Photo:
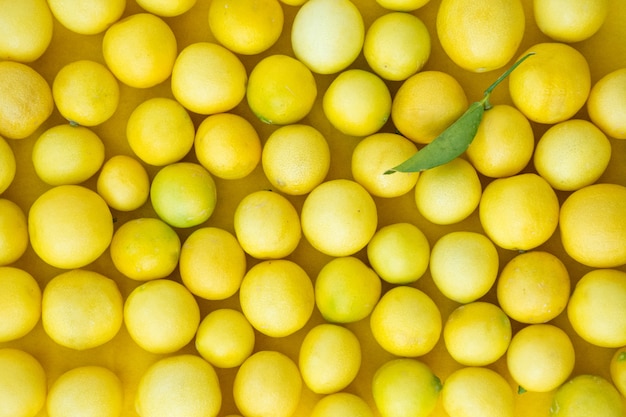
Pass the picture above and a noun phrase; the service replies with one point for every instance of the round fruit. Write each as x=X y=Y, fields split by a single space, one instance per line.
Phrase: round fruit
x=123 y=183
x=25 y=30
x=167 y=8
x=586 y=395
x=570 y=21
x=341 y=404
x=13 y=232
x=20 y=303
x=618 y=369
x=607 y=103
x=8 y=165
x=225 y=338
x=23 y=385
x=87 y=18
x=477 y=391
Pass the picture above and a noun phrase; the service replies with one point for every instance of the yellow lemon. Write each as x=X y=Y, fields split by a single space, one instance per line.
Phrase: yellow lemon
x=26 y=100
x=533 y=287
x=66 y=154
x=8 y=165
x=140 y=50
x=477 y=391
x=123 y=183
x=208 y=78
x=160 y=131
x=69 y=226
x=399 y=253
x=23 y=385
x=329 y=358
x=341 y=404
x=87 y=18
x=277 y=297
x=397 y=45
x=426 y=103
x=268 y=384
x=540 y=357
x=225 y=338
x=464 y=265
x=84 y=392
x=339 y=217
x=406 y=322
x=570 y=21
x=448 y=193
x=346 y=290
x=503 y=144
x=480 y=36
x=295 y=158
x=607 y=103
x=587 y=395
x=597 y=307
x=81 y=309
x=179 y=386
x=212 y=263
x=281 y=90
x=246 y=27
x=552 y=85
x=13 y=232
x=519 y=212
x=167 y=8
x=357 y=102
x=20 y=303
x=161 y=316
x=403 y=387
x=25 y=30
x=335 y=47
x=593 y=227
x=402 y=5
x=618 y=369
x=228 y=146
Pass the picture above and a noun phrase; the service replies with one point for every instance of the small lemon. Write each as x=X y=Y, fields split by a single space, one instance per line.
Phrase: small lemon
x=8 y=165
x=618 y=369
x=13 y=232
x=587 y=395
x=402 y=5
x=20 y=303
x=225 y=338
x=477 y=391
x=607 y=103
x=87 y=18
x=570 y=21
x=25 y=30
x=341 y=404
x=167 y=8
x=23 y=385
x=123 y=183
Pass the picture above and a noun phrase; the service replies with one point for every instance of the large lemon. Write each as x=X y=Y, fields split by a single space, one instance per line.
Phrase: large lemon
x=23 y=384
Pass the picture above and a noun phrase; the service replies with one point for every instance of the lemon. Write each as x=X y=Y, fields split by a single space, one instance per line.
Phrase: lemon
x=179 y=386
x=281 y=90
x=597 y=307
x=540 y=357
x=586 y=395
x=329 y=358
x=183 y=194
x=592 y=225
x=161 y=316
x=25 y=30
x=464 y=265
x=277 y=297
x=346 y=290
x=327 y=35
x=20 y=303
x=13 y=232
x=533 y=287
x=227 y=145
x=606 y=103
x=81 y=309
x=212 y=263
x=519 y=212
x=402 y=5
x=225 y=338
x=246 y=27
x=399 y=253
x=66 y=154
x=339 y=217
x=374 y=155
x=23 y=385
x=296 y=158
x=208 y=78
x=87 y=18
x=552 y=85
x=618 y=369
x=405 y=387
x=167 y=8
x=426 y=103
x=357 y=102
x=480 y=36
x=145 y=248
x=406 y=322
x=448 y=193
x=86 y=391
x=570 y=21
x=123 y=183
x=26 y=100
x=504 y=142
x=267 y=225
x=341 y=404
x=8 y=165
x=397 y=45
x=477 y=391
x=69 y=226
x=268 y=384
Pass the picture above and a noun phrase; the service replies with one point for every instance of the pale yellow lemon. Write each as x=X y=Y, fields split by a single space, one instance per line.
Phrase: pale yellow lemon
x=123 y=183
x=14 y=237
x=225 y=338
x=25 y=30
x=8 y=165
x=570 y=21
x=23 y=385
x=341 y=404
x=617 y=369
x=87 y=18
x=20 y=303
x=587 y=395
x=607 y=103
x=477 y=391
x=402 y=5
x=81 y=309
x=167 y=8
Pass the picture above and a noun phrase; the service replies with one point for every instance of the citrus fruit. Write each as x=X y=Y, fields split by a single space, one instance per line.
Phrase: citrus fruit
x=570 y=21
x=246 y=27
x=13 y=232
x=586 y=395
x=477 y=391
x=161 y=316
x=552 y=85
x=225 y=338
x=592 y=225
x=69 y=226
x=123 y=183
x=8 y=165
x=26 y=100
x=341 y=404
x=618 y=369
x=20 y=303
x=167 y=8
x=277 y=297
x=402 y=5
x=339 y=217
x=23 y=385
x=212 y=263
x=81 y=309
x=606 y=103
x=25 y=30
x=464 y=265
x=281 y=90
x=66 y=154
x=87 y=18
x=332 y=49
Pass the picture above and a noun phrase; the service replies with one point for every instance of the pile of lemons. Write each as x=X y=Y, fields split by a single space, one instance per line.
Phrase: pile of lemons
x=236 y=246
